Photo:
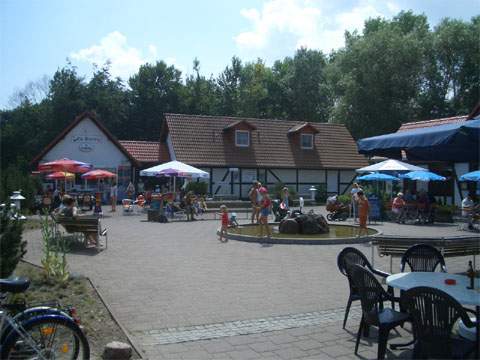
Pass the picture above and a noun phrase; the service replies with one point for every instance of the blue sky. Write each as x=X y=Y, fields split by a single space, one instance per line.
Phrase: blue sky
x=37 y=36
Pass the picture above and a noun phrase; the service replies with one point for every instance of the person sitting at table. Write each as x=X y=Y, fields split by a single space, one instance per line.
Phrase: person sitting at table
x=468 y=210
x=67 y=207
x=398 y=208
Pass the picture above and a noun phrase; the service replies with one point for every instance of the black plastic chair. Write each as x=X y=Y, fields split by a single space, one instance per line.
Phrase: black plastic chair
x=372 y=296
x=433 y=314
x=348 y=257
x=423 y=257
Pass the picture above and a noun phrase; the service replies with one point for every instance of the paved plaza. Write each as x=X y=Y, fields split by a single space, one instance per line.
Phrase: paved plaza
x=182 y=294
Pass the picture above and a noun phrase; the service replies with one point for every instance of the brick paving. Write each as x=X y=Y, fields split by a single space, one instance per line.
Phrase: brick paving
x=164 y=280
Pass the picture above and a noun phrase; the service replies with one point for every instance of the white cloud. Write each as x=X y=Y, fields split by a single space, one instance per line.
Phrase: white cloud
x=124 y=59
x=312 y=24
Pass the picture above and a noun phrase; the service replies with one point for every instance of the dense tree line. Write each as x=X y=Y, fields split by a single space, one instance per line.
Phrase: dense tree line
x=394 y=71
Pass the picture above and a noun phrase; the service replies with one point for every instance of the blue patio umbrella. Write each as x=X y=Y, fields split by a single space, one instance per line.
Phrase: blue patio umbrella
x=471 y=176
x=377 y=177
x=424 y=176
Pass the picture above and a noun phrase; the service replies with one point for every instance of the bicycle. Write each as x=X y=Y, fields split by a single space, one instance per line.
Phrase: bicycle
x=40 y=332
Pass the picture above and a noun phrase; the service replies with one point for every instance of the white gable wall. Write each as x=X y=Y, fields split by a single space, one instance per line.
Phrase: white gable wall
x=87 y=143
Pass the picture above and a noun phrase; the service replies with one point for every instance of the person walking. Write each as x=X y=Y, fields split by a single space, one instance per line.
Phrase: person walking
x=363 y=210
x=265 y=210
x=113 y=196
x=224 y=223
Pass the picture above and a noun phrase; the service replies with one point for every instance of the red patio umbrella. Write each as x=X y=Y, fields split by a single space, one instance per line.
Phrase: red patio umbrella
x=98 y=174
x=64 y=164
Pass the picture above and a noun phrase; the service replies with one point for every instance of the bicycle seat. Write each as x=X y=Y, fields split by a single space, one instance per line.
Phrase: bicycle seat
x=14 y=285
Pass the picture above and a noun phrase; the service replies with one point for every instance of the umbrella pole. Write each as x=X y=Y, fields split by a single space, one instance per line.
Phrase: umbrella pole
x=174 y=184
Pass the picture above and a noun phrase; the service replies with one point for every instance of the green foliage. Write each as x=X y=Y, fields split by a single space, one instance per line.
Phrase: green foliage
x=321 y=194
x=12 y=247
x=277 y=193
x=55 y=249
x=17 y=178
x=345 y=199
x=392 y=72
x=198 y=188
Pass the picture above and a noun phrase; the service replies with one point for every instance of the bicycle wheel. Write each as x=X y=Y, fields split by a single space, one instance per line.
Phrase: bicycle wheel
x=55 y=337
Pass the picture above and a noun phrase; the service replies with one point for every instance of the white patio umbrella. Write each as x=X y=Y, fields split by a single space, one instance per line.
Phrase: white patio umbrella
x=175 y=168
x=390 y=165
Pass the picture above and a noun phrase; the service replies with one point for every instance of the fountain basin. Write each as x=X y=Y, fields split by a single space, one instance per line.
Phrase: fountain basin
x=338 y=234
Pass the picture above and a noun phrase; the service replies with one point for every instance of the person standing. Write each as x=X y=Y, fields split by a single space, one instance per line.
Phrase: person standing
x=363 y=210
x=353 y=193
x=113 y=195
x=189 y=199
x=253 y=195
x=224 y=227
x=285 y=197
x=398 y=208
x=266 y=208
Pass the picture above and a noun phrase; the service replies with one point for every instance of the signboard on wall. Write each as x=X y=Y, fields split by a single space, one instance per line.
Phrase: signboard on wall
x=86 y=143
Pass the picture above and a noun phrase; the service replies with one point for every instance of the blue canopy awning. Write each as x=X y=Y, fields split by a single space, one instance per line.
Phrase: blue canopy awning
x=450 y=142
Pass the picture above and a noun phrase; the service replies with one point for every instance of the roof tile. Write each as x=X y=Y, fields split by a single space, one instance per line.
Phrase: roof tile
x=199 y=140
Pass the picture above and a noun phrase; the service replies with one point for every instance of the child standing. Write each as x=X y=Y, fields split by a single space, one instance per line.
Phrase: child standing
x=363 y=209
x=265 y=210
x=224 y=217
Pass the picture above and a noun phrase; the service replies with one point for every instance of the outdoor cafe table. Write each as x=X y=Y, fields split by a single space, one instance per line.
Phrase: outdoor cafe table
x=459 y=291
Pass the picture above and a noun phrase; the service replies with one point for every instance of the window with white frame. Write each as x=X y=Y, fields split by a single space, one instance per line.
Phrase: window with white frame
x=242 y=138
x=306 y=141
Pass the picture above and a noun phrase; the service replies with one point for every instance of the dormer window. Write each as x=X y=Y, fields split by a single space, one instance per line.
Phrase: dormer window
x=242 y=138
x=306 y=141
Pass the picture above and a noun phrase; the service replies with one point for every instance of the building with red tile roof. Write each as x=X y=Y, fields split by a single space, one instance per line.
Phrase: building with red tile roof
x=237 y=151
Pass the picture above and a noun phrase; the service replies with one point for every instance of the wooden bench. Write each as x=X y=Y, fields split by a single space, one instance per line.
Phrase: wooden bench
x=86 y=225
x=451 y=247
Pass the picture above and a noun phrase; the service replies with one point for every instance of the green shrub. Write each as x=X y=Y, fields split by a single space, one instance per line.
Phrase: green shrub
x=11 y=244
x=198 y=188
x=54 y=259
x=345 y=199
x=277 y=192
x=321 y=194
x=15 y=178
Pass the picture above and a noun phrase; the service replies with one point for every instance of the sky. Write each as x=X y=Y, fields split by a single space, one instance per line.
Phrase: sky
x=37 y=37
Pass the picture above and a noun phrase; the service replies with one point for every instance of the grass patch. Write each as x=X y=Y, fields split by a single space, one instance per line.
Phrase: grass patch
x=98 y=325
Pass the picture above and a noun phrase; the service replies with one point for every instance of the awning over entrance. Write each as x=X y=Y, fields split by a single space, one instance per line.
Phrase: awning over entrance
x=451 y=142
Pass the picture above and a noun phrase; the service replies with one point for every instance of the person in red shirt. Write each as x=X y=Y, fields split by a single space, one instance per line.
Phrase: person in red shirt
x=265 y=210
x=224 y=219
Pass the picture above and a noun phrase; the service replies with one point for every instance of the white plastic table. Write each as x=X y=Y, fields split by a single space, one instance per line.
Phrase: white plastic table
x=459 y=291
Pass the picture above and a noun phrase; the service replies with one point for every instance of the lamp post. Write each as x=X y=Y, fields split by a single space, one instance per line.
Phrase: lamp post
x=17 y=197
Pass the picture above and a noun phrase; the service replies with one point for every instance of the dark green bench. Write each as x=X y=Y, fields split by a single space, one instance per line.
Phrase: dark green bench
x=87 y=225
